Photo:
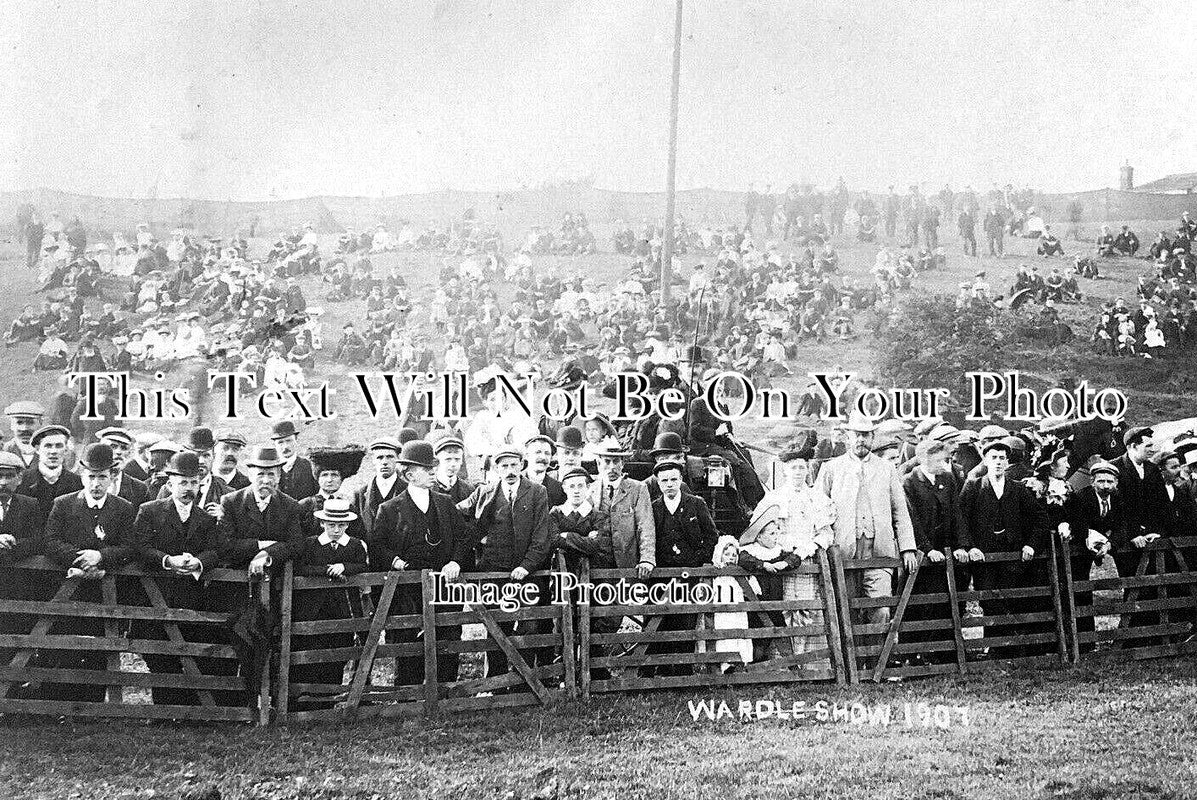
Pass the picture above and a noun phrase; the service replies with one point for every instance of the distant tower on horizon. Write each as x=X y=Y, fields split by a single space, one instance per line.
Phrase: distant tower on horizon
x=1126 y=177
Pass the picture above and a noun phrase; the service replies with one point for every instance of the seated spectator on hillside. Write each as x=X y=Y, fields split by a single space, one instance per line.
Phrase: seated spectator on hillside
x=1126 y=242
x=1049 y=243
x=1161 y=248
x=52 y=355
x=25 y=328
x=1105 y=243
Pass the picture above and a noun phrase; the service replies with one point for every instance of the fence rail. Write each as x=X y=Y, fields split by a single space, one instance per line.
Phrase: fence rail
x=142 y=645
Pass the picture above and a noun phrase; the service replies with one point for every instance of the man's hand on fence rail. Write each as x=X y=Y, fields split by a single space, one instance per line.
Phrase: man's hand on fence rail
x=643 y=570
x=336 y=571
x=975 y=554
x=1144 y=540
x=519 y=573
x=1028 y=552
x=7 y=541
x=451 y=572
x=259 y=564
x=935 y=556
x=910 y=560
x=961 y=555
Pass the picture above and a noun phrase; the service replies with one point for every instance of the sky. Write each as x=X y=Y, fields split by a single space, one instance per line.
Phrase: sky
x=258 y=99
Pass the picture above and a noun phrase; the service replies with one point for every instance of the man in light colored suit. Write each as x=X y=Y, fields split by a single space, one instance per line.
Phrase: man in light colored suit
x=630 y=511
x=872 y=517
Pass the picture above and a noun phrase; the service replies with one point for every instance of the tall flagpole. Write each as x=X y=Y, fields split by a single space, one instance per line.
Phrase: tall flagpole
x=671 y=174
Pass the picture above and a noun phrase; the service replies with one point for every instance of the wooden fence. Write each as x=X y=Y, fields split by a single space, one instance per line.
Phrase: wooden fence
x=83 y=647
x=400 y=643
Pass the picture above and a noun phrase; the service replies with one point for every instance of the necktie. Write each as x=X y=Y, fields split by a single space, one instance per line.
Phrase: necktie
x=3 y=510
x=1104 y=507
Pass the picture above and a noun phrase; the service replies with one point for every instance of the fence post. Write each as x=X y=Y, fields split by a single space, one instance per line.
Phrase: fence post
x=1054 y=573
x=284 y=650
x=845 y=607
x=831 y=616
x=891 y=636
x=1074 y=646
x=584 y=631
x=264 y=681
x=567 y=634
x=431 y=676
x=112 y=693
x=957 y=621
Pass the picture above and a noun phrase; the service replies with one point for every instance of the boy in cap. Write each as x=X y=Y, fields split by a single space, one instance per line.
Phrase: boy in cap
x=48 y=479
x=450 y=458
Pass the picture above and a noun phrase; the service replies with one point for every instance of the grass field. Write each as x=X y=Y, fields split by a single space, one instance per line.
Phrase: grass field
x=1123 y=731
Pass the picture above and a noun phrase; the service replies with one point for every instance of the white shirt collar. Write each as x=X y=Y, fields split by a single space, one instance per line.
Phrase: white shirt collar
x=672 y=505
x=263 y=502
x=184 y=511
x=419 y=495
x=51 y=476
x=95 y=504
x=115 y=488
x=325 y=539
x=289 y=464
x=385 y=484
x=581 y=510
x=537 y=478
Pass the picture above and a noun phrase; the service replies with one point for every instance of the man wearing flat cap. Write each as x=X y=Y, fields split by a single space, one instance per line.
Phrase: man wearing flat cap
x=24 y=417
x=386 y=484
x=48 y=479
x=174 y=539
x=296 y=472
x=87 y=532
x=226 y=457
x=511 y=523
x=121 y=442
x=450 y=458
x=1095 y=523
x=21 y=536
x=420 y=529
x=1002 y=515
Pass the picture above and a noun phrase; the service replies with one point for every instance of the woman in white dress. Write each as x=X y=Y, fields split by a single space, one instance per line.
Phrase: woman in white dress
x=806 y=516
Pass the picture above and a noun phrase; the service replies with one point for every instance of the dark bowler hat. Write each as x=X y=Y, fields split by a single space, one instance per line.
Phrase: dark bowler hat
x=200 y=440
x=96 y=458
x=185 y=464
x=263 y=458
x=48 y=430
x=281 y=430
x=570 y=438
x=418 y=453
x=668 y=443
x=407 y=435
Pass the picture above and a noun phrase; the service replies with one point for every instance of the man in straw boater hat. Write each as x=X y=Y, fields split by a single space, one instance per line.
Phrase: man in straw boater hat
x=121 y=442
x=332 y=554
x=174 y=539
x=872 y=517
x=511 y=521
x=49 y=479
x=295 y=476
x=332 y=466
x=88 y=532
x=383 y=486
x=420 y=529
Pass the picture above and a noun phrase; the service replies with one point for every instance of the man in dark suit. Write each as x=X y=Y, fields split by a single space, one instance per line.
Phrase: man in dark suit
x=385 y=485
x=420 y=529
x=669 y=447
x=1002 y=515
x=511 y=521
x=1142 y=489
x=226 y=455
x=932 y=493
x=450 y=456
x=121 y=442
x=538 y=457
x=259 y=524
x=21 y=524
x=295 y=476
x=200 y=442
x=174 y=540
x=48 y=479
x=1096 y=524
x=685 y=537
x=87 y=532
